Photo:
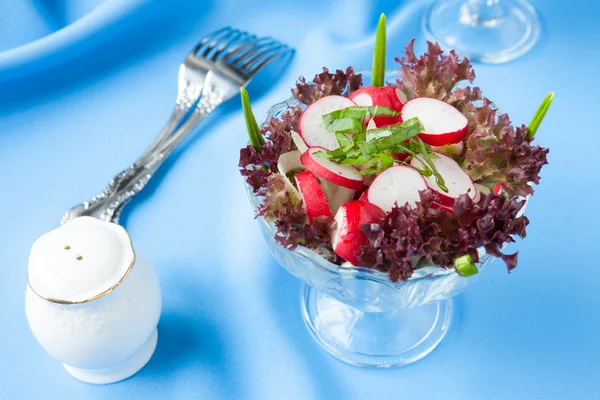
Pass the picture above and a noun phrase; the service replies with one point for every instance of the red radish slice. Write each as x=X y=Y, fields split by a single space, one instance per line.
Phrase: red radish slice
x=387 y=96
x=402 y=98
x=364 y=196
x=400 y=184
x=443 y=123
x=387 y=121
x=336 y=195
x=347 y=239
x=371 y=96
x=394 y=94
x=312 y=195
x=455 y=178
x=372 y=124
x=379 y=96
x=400 y=156
x=311 y=119
x=288 y=162
x=342 y=175
x=382 y=122
x=452 y=150
x=297 y=139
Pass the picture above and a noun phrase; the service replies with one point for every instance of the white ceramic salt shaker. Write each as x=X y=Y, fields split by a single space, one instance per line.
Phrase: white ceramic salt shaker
x=91 y=301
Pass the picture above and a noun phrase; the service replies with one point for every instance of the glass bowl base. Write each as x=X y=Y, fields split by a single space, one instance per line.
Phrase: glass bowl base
x=375 y=339
x=495 y=31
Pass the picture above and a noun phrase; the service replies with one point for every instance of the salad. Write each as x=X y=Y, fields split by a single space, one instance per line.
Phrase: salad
x=420 y=171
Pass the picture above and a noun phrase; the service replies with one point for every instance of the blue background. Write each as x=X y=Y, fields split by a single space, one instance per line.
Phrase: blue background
x=231 y=327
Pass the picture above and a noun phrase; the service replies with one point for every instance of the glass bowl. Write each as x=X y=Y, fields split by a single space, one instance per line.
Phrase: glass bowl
x=358 y=314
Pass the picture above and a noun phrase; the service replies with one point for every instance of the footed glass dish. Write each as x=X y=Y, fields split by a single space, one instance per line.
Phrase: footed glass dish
x=358 y=314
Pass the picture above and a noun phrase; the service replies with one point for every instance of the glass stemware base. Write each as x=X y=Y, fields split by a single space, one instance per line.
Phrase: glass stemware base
x=492 y=31
x=375 y=339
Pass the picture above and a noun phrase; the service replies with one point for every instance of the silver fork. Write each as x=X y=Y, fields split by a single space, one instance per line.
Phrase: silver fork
x=212 y=73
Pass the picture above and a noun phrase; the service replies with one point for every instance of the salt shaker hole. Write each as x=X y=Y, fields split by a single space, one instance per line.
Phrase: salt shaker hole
x=79 y=258
x=67 y=247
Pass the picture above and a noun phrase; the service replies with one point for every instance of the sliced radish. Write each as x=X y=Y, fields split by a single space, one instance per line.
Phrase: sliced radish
x=364 y=196
x=443 y=123
x=400 y=156
x=371 y=96
x=312 y=195
x=297 y=139
x=387 y=121
x=382 y=122
x=311 y=119
x=342 y=175
x=289 y=162
x=455 y=178
x=347 y=238
x=396 y=185
x=336 y=195
x=372 y=124
x=452 y=150
x=396 y=97
x=385 y=96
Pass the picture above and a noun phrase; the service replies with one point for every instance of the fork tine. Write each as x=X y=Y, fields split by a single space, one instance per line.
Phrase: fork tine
x=210 y=36
x=208 y=50
x=221 y=43
x=288 y=52
x=234 y=44
x=260 y=54
x=247 y=49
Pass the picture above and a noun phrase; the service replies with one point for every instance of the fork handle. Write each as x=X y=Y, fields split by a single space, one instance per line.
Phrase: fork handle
x=109 y=203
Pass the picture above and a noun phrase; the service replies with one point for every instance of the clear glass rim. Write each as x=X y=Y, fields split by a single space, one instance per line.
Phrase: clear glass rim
x=427 y=272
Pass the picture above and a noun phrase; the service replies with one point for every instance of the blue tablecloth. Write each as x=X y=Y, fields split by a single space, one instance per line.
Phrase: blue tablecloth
x=231 y=326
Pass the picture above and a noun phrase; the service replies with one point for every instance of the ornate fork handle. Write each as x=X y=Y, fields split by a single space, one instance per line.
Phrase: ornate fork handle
x=213 y=71
x=108 y=204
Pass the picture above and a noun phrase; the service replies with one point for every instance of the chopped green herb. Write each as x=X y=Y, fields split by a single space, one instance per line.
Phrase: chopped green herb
x=427 y=157
x=345 y=125
x=396 y=134
x=360 y=112
x=343 y=140
x=359 y=146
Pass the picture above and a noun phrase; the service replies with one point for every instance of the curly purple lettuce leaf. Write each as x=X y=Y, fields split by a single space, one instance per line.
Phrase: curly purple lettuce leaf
x=288 y=215
x=325 y=84
x=433 y=74
x=406 y=235
x=258 y=167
